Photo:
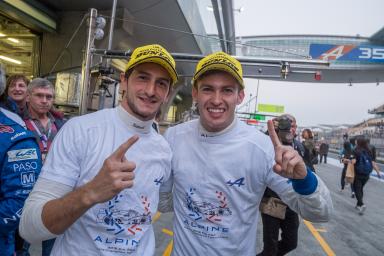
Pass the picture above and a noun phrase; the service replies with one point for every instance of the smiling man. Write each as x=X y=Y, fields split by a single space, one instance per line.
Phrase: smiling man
x=221 y=167
x=98 y=191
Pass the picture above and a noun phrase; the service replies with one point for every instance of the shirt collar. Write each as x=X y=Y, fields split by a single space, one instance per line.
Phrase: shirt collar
x=134 y=123
x=29 y=116
x=204 y=133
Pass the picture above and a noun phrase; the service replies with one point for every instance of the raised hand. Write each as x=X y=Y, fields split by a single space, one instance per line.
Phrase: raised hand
x=115 y=175
x=289 y=163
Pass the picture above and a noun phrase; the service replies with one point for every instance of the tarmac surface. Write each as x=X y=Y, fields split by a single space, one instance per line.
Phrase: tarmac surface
x=346 y=234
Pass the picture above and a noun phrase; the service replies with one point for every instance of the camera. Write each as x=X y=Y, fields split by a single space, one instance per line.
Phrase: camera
x=283 y=127
x=284 y=124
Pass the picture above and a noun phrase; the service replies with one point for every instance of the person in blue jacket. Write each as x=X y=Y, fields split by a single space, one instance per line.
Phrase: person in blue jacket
x=20 y=165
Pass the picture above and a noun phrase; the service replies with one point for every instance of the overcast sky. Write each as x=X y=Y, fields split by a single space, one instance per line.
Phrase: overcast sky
x=314 y=103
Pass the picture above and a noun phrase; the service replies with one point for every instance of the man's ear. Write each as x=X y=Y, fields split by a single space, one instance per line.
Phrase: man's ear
x=28 y=98
x=194 y=92
x=123 y=81
x=240 y=96
x=169 y=94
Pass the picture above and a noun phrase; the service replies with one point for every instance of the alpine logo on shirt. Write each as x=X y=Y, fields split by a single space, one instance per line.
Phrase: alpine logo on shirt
x=159 y=181
x=207 y=219
x=238 y=182
x=124 y=226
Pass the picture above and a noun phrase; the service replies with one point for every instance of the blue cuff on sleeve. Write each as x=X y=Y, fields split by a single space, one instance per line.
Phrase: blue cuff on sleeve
x=307 y=185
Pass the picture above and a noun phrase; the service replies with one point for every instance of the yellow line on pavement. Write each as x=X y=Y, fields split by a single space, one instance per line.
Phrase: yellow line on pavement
x=167 y=231
x=168 y=250
x=156 y=217
x=318 y=237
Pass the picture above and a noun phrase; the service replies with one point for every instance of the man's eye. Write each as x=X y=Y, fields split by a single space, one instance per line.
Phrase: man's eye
x=205 y=89
x=164 y=84
x=228 y=90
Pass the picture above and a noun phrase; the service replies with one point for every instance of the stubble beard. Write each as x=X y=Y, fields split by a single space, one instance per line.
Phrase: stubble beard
x=138 y=113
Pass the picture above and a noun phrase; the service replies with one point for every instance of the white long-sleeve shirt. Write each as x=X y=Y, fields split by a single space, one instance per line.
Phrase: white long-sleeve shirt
x=122 y=225
x=218 y=181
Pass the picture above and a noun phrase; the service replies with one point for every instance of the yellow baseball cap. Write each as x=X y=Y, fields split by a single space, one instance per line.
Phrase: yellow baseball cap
x=220 y=61
x=154 y=53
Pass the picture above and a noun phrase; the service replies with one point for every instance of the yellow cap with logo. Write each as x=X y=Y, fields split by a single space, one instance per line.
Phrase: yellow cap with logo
x=154 y=53
x=220 y=61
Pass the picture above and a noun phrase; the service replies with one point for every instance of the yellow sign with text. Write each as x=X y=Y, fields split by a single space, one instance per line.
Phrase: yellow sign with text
x=270 y=108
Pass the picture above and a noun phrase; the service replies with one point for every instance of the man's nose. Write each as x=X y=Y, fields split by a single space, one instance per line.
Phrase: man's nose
x=216 y=98
x=150 y=88
x=44 y=99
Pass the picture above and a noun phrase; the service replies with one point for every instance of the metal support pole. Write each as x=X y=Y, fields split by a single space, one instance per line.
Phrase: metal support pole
x=103 y=86
x=111 y=28
x=257 y=94
x=194 y=58
x=229 y=25
x=102 y=93
x=87 y=60
x=116 y=95
x=216 y=11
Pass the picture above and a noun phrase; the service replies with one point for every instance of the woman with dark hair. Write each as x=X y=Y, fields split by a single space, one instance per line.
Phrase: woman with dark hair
x=347 y=156
x=310 y=156
x=363 y=168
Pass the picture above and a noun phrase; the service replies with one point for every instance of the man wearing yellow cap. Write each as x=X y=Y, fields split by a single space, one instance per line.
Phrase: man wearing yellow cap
x=221 y=167
x=99 y=187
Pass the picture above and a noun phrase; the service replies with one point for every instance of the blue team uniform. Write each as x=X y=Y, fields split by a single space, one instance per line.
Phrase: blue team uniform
x=20 y=165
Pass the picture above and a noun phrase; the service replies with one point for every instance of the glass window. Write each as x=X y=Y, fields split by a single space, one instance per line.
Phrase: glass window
x=19 y=48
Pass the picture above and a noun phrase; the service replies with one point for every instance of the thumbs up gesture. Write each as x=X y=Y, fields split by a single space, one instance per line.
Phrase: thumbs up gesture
x=115 y=175
x=289 y=163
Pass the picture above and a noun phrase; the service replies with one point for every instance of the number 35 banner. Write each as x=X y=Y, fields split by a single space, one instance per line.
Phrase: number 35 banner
x=361 y=53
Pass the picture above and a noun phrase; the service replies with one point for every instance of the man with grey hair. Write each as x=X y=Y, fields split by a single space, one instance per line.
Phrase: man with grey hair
x=42 y=120
x=20 y=164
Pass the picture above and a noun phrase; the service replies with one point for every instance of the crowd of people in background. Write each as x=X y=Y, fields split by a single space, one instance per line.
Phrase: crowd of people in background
x=360 y=156
x=356 y=153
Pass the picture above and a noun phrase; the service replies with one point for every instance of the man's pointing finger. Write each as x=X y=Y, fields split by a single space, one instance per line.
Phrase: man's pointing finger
x=119 y=154
x=272 y=134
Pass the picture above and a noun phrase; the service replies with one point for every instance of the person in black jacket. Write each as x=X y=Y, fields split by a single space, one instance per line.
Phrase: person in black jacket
x=363 y=169
x=286 y=129
x=323 y=151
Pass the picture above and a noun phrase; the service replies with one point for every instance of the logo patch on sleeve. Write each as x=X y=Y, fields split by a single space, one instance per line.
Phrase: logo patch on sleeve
x=27 y=178
x=22 y=154
x=6 y=129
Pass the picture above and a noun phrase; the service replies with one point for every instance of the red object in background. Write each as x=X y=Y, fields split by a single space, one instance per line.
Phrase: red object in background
x=252 y=121
x=318 y=76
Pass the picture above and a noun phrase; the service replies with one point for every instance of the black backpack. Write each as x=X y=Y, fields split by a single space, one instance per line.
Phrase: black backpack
x=363 y=163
